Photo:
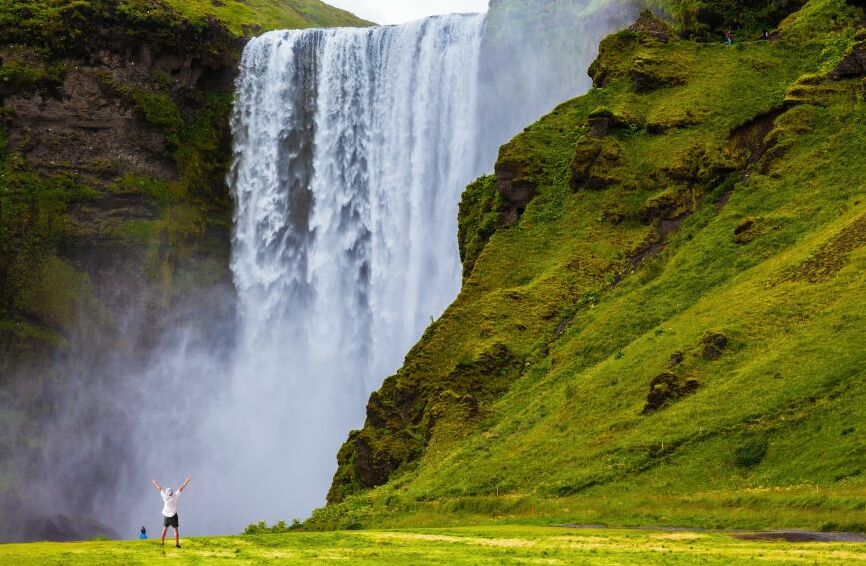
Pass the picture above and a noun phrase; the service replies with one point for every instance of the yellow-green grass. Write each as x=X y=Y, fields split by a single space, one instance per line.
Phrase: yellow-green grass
x=773 y=437
x=244 y=17
x=475 y=545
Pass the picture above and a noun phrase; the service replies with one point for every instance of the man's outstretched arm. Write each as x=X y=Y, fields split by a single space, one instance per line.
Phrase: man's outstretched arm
x=185 y=483
x=156 y=485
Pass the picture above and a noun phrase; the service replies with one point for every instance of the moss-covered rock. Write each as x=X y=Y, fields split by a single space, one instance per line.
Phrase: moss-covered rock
x=667 y=388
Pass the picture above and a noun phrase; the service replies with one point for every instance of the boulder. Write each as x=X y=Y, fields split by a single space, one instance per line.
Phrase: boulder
x=646 y=76
x=853 y=64
x=602 y=120
x=664 y=206
x=714 y=343
x=514 y=181
x=649 y=26
x=595 y=163
x=666 y=388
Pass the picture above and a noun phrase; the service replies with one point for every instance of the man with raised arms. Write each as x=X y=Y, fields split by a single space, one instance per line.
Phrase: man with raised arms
x=169 y=510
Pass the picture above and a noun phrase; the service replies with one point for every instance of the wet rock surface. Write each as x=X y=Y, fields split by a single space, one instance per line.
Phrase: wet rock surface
x=85 y=131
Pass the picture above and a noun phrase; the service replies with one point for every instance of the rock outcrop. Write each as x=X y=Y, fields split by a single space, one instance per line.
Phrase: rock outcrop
x=853 y=64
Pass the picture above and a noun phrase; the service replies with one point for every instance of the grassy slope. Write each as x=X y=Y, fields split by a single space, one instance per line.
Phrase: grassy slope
x=244 y=16
x=241 y=17
x=774 y=434
x=489 y=545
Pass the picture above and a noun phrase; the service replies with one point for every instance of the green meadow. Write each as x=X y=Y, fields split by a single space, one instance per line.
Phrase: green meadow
x=469 y=545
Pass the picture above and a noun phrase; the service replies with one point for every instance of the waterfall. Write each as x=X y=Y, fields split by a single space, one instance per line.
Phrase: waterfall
x=352 y=147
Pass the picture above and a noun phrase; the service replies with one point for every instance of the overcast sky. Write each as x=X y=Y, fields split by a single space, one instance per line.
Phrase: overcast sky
x=399 y=11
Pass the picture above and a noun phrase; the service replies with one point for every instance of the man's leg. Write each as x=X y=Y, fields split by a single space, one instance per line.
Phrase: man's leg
x=164 y=531
x=177 y=537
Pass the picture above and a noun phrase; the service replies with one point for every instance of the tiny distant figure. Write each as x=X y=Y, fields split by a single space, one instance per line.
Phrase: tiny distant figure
x=169 y=510
x=729 y=38
x=143 y=534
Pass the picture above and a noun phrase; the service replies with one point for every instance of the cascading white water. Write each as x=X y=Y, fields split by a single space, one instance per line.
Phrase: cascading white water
x=352 y=149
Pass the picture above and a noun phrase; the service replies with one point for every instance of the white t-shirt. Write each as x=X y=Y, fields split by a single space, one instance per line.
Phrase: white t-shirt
x=170 y=507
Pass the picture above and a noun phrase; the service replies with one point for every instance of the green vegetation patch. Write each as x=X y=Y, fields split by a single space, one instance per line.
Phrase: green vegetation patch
x=251 y=17
x=468 y=545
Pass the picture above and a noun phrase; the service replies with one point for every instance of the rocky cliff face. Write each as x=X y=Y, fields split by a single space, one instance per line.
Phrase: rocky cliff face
x=114 y=216
x=115 y=145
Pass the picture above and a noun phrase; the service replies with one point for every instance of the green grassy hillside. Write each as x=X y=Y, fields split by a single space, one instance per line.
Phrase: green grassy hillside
x=662 y=316
x=245 y=16
x=484 y=545
x=24 y=20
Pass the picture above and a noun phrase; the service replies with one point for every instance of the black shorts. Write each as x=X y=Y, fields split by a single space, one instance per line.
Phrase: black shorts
x=170 y=521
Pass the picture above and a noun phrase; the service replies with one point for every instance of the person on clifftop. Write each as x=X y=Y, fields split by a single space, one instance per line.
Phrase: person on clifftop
x=169 y=510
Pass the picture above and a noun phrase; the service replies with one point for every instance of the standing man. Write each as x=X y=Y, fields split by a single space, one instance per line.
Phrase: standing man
x=169 y=510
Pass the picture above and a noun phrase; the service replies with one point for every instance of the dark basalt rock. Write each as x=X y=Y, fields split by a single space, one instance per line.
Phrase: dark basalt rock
x=666 y=388
x=743 y=232
x=853 y=64
x=587 y=152
x=714 y=343
x=595 y=163
x=662 y=207
x=649 y=26
x=646 y=77
x=515 y=183
x=603 y=120
x=699 y=167
x=400 y=422
x=676 y=359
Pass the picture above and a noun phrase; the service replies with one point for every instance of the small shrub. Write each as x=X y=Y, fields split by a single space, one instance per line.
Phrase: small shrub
x=256 y=528
x=751 y=453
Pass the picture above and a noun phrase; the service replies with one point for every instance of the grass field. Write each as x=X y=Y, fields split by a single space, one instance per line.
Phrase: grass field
x=477 y=545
